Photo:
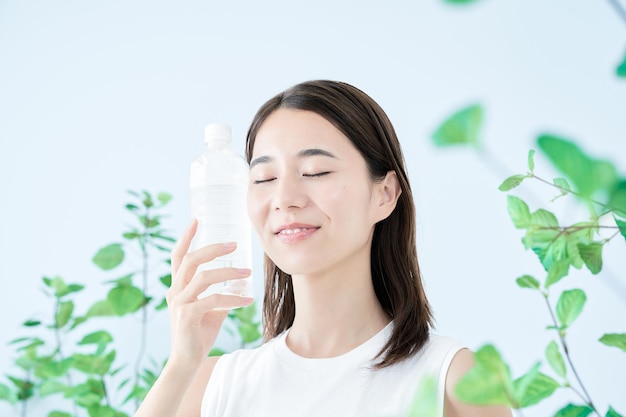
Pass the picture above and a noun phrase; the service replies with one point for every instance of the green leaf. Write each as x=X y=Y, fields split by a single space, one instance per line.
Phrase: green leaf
x=51 y=386
x=147 y=201
x=131 y=235
x=612 y=413
x=109 y=256
x=617 y=199
x=63 y=314
x=24 y=388
x=425 y=403
x=53 y=369
x=617 y=340
x=563 y=184
x=162 y=305
x=527 y=281
x=59 y=286
x=521 y=384
x=539 y=388
x=531 y=160
x=621 y=225
x=164 y=198
x=488 y=382
x=245 y=314
x=518 y=211
x=591 y=254
x=166 y=280
x=620 y=71
x=556 y=251
x=217 y=352
x=125 y=299
x=31 y=323
x=99 y=410
x=249 y=332
x=162 y=237
x=462 y=128
x=573 y=252
x=557 y=271
x=512 y=182
x=101 y=309
x=543 y=218
x=93 y=364
x=100 y=338
x=59 y=414
x=149 y=222
x=131 y=207
x=569 y=306
x=588 y=175
x=7 y=394
x=555 y=359
x=571 y=410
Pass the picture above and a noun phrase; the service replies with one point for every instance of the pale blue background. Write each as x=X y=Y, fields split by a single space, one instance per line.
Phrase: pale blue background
x=100 y=97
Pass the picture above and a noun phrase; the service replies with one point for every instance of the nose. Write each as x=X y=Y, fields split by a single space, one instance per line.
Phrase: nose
x=288 y=194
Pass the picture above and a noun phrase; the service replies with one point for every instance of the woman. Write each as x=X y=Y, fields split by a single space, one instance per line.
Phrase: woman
x=347 y=324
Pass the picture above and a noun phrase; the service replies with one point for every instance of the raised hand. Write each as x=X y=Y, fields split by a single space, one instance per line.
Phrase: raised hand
x=195 y=323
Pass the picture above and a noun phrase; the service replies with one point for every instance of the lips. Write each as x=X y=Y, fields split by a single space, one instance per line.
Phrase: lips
x=290 y=233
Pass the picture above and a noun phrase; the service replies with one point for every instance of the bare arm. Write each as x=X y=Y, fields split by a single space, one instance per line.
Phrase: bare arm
x=463 y=361
x=178 y=391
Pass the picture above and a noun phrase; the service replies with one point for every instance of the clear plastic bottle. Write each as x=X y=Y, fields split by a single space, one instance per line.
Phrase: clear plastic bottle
x=218 y=188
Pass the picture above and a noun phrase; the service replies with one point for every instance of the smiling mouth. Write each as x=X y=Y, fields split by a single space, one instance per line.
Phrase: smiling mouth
x=293 y=234
x=294 y=231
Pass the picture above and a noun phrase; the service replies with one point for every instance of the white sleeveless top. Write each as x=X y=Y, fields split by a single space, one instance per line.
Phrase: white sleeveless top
x=272 y=381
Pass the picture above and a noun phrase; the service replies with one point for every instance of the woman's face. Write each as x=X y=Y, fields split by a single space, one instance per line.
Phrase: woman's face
x=310 y=198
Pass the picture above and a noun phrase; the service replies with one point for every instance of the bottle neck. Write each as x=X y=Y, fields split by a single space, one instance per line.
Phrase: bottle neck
x=215 y=145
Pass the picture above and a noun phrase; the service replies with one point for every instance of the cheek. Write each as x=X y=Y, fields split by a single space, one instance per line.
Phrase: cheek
x=255 y=210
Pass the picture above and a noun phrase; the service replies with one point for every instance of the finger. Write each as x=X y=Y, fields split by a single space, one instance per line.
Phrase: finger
x=192 y=260
x=205 y=279
x=182 y=246
x=222 y=302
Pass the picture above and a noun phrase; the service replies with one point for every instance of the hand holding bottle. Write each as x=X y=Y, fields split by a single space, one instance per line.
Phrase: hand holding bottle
x=195 y=323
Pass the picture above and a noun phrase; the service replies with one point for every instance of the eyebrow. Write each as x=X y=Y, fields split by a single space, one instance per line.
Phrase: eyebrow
x=302 y=154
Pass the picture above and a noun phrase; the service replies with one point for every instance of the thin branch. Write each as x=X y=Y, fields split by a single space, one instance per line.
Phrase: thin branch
x=565 y=190
x=586 y=398
x=59 y=349
x=144 y=307
x=619 y=9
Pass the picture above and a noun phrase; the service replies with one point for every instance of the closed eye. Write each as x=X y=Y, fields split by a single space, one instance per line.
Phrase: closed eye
x=263 y=181
x=319 y=174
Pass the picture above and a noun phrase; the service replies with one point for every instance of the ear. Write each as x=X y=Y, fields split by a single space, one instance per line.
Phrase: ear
x=387 y=193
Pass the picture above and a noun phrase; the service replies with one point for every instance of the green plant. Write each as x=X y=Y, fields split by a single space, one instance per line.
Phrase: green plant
x=70 y=360
x=596 y=184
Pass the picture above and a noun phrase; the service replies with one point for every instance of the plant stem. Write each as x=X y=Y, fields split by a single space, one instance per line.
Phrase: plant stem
x=568 y=191
x=619 y=9
x=144 y=307
x=493 y=163
x=59 y=348
x=586 y=398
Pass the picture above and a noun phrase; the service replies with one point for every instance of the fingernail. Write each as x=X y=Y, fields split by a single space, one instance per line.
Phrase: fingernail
x=229 y=245
x=244 y=272
x=247 y=300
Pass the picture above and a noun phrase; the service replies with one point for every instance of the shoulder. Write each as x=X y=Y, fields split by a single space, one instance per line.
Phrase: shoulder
x=461 y=363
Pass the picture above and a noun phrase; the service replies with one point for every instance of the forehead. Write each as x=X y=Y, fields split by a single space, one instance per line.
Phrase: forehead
x=290 y=131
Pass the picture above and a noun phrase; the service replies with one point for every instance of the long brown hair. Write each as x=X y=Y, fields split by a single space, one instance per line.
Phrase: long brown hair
x=395 y=271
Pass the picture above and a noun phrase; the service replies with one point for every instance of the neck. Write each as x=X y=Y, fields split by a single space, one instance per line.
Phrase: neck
x=335 y=312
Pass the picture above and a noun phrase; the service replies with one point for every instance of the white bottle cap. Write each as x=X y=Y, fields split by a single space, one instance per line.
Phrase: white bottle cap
x=217 y=132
